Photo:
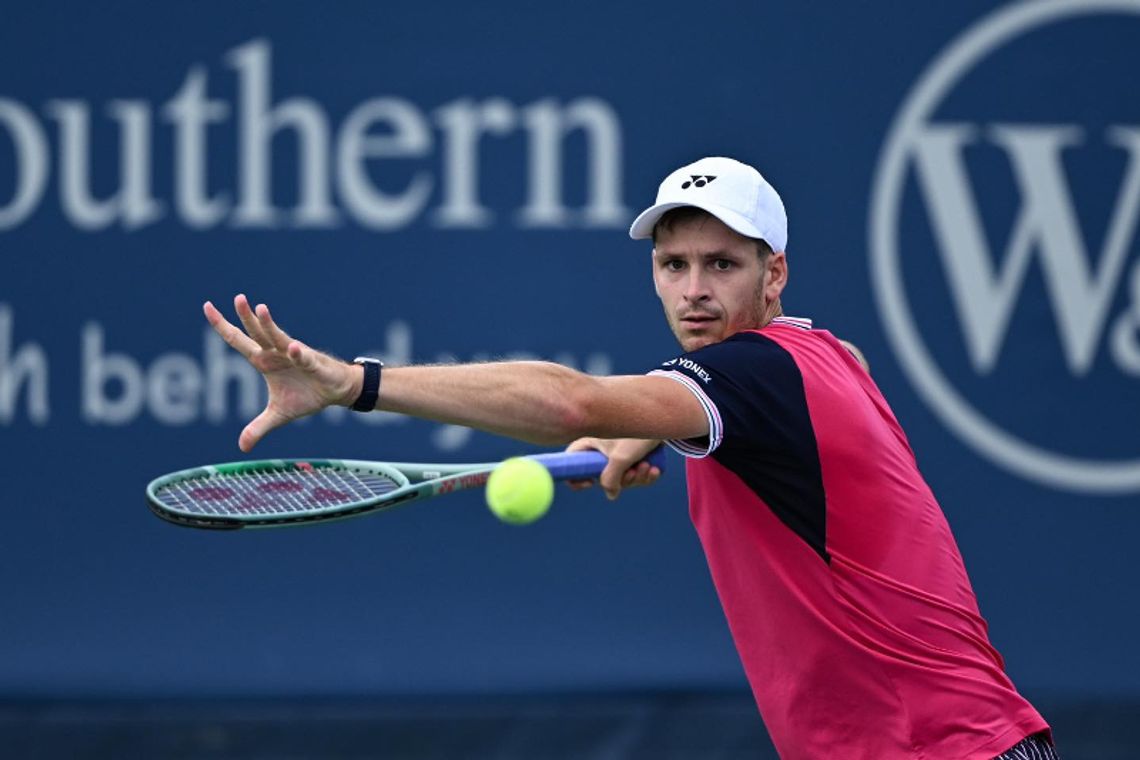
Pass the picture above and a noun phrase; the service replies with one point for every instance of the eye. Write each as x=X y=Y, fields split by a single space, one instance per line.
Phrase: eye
x=673 y=265
x=723 y=265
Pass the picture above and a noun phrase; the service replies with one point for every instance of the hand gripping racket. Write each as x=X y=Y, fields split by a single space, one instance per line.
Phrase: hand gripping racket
x=278 y=492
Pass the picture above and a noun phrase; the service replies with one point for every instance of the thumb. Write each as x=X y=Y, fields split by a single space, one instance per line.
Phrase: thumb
x=585 y=444
x=257 y=428
x=611 y=477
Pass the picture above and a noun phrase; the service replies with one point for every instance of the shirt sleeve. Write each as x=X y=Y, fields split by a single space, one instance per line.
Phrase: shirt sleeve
x=750 y=388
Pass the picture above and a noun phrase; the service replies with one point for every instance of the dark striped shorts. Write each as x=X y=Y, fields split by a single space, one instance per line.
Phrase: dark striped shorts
x=1036 y=747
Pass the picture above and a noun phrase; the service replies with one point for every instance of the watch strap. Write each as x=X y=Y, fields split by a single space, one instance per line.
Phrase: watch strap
x=370 y=390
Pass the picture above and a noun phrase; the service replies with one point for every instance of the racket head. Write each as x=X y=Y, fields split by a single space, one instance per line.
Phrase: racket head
x=274 y=492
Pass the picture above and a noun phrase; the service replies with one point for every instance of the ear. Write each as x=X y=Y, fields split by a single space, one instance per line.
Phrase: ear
x=777 y=275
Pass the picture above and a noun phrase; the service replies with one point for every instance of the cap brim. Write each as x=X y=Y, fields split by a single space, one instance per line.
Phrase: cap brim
x=642 y=227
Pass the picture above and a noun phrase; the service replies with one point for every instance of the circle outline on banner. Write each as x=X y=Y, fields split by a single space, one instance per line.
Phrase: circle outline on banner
x=945 y=71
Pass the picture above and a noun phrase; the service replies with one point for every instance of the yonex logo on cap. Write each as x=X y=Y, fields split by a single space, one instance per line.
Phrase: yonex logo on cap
x=697 y=180
x=747 y=203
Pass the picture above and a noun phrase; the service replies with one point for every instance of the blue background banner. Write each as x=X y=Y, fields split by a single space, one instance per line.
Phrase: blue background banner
x=434 y=182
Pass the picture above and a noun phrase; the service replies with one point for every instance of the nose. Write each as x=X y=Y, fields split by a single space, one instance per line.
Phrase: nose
x=695 y=289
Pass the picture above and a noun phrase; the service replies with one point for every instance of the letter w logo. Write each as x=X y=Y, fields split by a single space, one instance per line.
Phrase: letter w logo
x=985 y=292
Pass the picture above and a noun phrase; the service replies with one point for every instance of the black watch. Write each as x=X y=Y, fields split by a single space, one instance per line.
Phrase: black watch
x=370 y=391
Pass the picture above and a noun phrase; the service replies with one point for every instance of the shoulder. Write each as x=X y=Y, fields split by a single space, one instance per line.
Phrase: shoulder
x=759 y=352
x=741 y=360
x=774 y=339
x=791 y=331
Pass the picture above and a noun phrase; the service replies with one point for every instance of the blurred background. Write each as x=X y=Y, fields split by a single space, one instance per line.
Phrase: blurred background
x=442 y=181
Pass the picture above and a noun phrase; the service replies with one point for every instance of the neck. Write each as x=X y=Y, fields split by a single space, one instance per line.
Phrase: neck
x=772 y=310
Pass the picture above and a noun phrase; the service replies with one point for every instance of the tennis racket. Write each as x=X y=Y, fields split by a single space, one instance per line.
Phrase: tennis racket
x=279 y=492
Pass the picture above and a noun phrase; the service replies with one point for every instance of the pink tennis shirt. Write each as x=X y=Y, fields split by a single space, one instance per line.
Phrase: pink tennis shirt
x=843 y=587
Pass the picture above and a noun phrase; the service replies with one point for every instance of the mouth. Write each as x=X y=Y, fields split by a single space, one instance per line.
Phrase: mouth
x=697 y=320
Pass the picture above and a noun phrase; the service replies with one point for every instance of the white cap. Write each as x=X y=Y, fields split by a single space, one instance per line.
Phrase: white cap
x=733 y=192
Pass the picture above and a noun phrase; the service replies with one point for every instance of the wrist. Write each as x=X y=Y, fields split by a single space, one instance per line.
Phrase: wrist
x=354 y=382
x=365 y=384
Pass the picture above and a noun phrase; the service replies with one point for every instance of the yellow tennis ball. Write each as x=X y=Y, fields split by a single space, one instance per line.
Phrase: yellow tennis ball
x=519 y=491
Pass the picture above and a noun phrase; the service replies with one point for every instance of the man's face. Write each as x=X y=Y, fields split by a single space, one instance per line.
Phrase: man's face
x=711 y=282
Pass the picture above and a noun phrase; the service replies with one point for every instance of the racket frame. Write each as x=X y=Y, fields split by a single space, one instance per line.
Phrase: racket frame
x=414 y=482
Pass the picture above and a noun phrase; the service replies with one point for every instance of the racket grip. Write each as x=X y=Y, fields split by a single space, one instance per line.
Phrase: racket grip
x=572 y=465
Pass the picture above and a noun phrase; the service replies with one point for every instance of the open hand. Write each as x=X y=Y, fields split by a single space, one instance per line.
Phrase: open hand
x=301 y=380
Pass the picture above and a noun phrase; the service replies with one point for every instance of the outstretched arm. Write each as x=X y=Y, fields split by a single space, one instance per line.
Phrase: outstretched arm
x=539 y=402
x=542 y=402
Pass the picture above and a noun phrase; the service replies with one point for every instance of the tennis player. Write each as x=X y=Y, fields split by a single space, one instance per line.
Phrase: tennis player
x=843 y=587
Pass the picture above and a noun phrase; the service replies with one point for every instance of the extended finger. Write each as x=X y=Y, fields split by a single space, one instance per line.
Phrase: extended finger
x=279 y=337
x=234 y=337
x=250 y=321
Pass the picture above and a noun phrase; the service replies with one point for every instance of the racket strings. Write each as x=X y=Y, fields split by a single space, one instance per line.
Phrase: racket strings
x=269 y=492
